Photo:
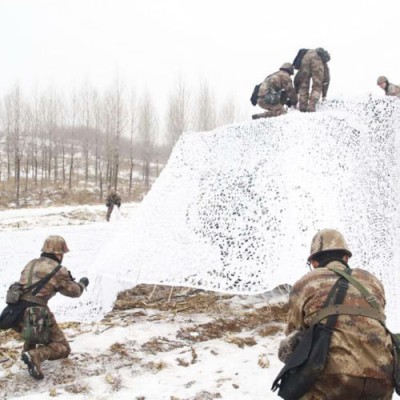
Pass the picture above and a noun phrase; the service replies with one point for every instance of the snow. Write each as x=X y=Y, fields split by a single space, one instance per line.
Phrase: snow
x=235 y=209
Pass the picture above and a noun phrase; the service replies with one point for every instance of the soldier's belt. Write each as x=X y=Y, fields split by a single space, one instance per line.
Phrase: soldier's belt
x=34 y=299
x=341 y=309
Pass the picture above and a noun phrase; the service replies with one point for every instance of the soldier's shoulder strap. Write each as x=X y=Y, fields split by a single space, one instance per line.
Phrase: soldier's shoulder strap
x=38 y=286
x=370 y=298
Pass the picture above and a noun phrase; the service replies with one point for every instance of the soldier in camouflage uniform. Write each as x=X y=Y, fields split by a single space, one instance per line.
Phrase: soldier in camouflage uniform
x=281 y=83
x=389 y=88
x=314 y=67
x=56 y=345
x=360 y=361
x=113 y=199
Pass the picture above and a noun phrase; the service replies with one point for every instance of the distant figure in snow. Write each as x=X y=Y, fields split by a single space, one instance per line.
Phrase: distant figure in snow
x=113 y=199
x=275 y=92
x=349 y=306
x=41 y=279
x=312 y=65
x=389 y=88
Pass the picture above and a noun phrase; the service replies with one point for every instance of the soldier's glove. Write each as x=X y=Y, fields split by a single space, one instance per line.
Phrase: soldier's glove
x=84 y=282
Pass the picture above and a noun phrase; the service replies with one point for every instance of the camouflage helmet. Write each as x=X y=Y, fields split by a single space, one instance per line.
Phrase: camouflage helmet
x=328 y=240
x=55 y=245
x=382 y=79
x=288 y=67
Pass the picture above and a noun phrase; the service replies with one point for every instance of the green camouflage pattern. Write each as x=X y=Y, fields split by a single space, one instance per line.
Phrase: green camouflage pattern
x=36 y=325
x=57 y=346
x=360 y=346
x=312 y=70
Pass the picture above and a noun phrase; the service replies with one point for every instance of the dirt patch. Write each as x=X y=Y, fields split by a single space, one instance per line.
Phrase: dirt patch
x=168 y=298
x=161 y=344
x=241 y=342
x=247 y=321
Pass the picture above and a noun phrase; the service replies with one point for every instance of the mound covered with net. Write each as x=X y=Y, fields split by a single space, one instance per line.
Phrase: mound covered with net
x=235 y=209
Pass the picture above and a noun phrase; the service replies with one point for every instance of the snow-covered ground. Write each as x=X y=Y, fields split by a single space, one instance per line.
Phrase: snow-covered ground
x=171 y=350
x=227 y=352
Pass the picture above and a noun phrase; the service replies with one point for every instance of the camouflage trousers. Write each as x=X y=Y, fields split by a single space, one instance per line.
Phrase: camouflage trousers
x=307 y=100
x=272 y=110
x=57 y=347
x=340 y=387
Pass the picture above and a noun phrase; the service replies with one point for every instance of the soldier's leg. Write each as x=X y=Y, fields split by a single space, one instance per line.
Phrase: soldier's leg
x=272 y=111
x=57 y=348
x=303 y=89
x=317 y=75
x=109 y=211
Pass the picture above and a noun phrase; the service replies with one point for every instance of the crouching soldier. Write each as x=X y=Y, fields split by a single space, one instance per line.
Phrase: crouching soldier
x=390 y=88
x=41 y=279
x=113 y=199
x=276 y=91
x=348 y=306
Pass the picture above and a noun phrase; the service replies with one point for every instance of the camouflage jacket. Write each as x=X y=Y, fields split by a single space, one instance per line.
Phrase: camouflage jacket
x=61 y=282
x=113 y=199
x=392 y=90
x=278 y=81
x=360 y=346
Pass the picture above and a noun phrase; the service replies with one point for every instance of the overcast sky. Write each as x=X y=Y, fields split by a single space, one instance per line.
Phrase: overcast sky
x=234 y=44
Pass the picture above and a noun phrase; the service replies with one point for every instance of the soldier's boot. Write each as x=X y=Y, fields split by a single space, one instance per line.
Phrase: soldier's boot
x=33 y=363
x=312 y=105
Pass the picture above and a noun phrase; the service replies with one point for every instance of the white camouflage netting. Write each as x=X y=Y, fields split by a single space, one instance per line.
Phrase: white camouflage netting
x=235 y=209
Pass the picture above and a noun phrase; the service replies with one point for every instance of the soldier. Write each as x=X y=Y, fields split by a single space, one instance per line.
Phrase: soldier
x=313 y=66
x=360 y=361
x=276 y=91
x=38 y=325
x=113 y=199
x=389 y=88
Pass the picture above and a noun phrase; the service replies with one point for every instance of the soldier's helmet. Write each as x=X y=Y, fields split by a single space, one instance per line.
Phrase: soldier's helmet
x=328 y=240
x=55 y=244
x=382 y=79
x=288 y=67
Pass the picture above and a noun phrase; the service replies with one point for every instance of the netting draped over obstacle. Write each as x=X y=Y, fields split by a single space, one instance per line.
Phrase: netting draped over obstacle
x=235 y=209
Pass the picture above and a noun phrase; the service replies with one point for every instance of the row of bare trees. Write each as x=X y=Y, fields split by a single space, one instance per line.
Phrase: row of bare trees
x=88 y=138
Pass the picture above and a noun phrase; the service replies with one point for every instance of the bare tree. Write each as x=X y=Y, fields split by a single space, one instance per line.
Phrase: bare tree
x=229 y=112
x=13 y=116
x=177 y=112
x=133 y=125
x=205 y=108
x=147 y=133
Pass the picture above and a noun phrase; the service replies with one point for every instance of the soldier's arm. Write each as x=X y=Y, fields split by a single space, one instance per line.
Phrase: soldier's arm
x=66 y=284
x=291 y=92
x=327 y=79
x=295 y=321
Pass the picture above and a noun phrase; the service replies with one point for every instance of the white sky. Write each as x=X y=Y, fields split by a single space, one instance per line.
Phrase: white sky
x=234 y=44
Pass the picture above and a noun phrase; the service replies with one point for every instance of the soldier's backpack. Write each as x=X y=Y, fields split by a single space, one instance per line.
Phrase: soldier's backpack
x=325 y=56
x=254 y=96
x=299 y=57
x=36 y=325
